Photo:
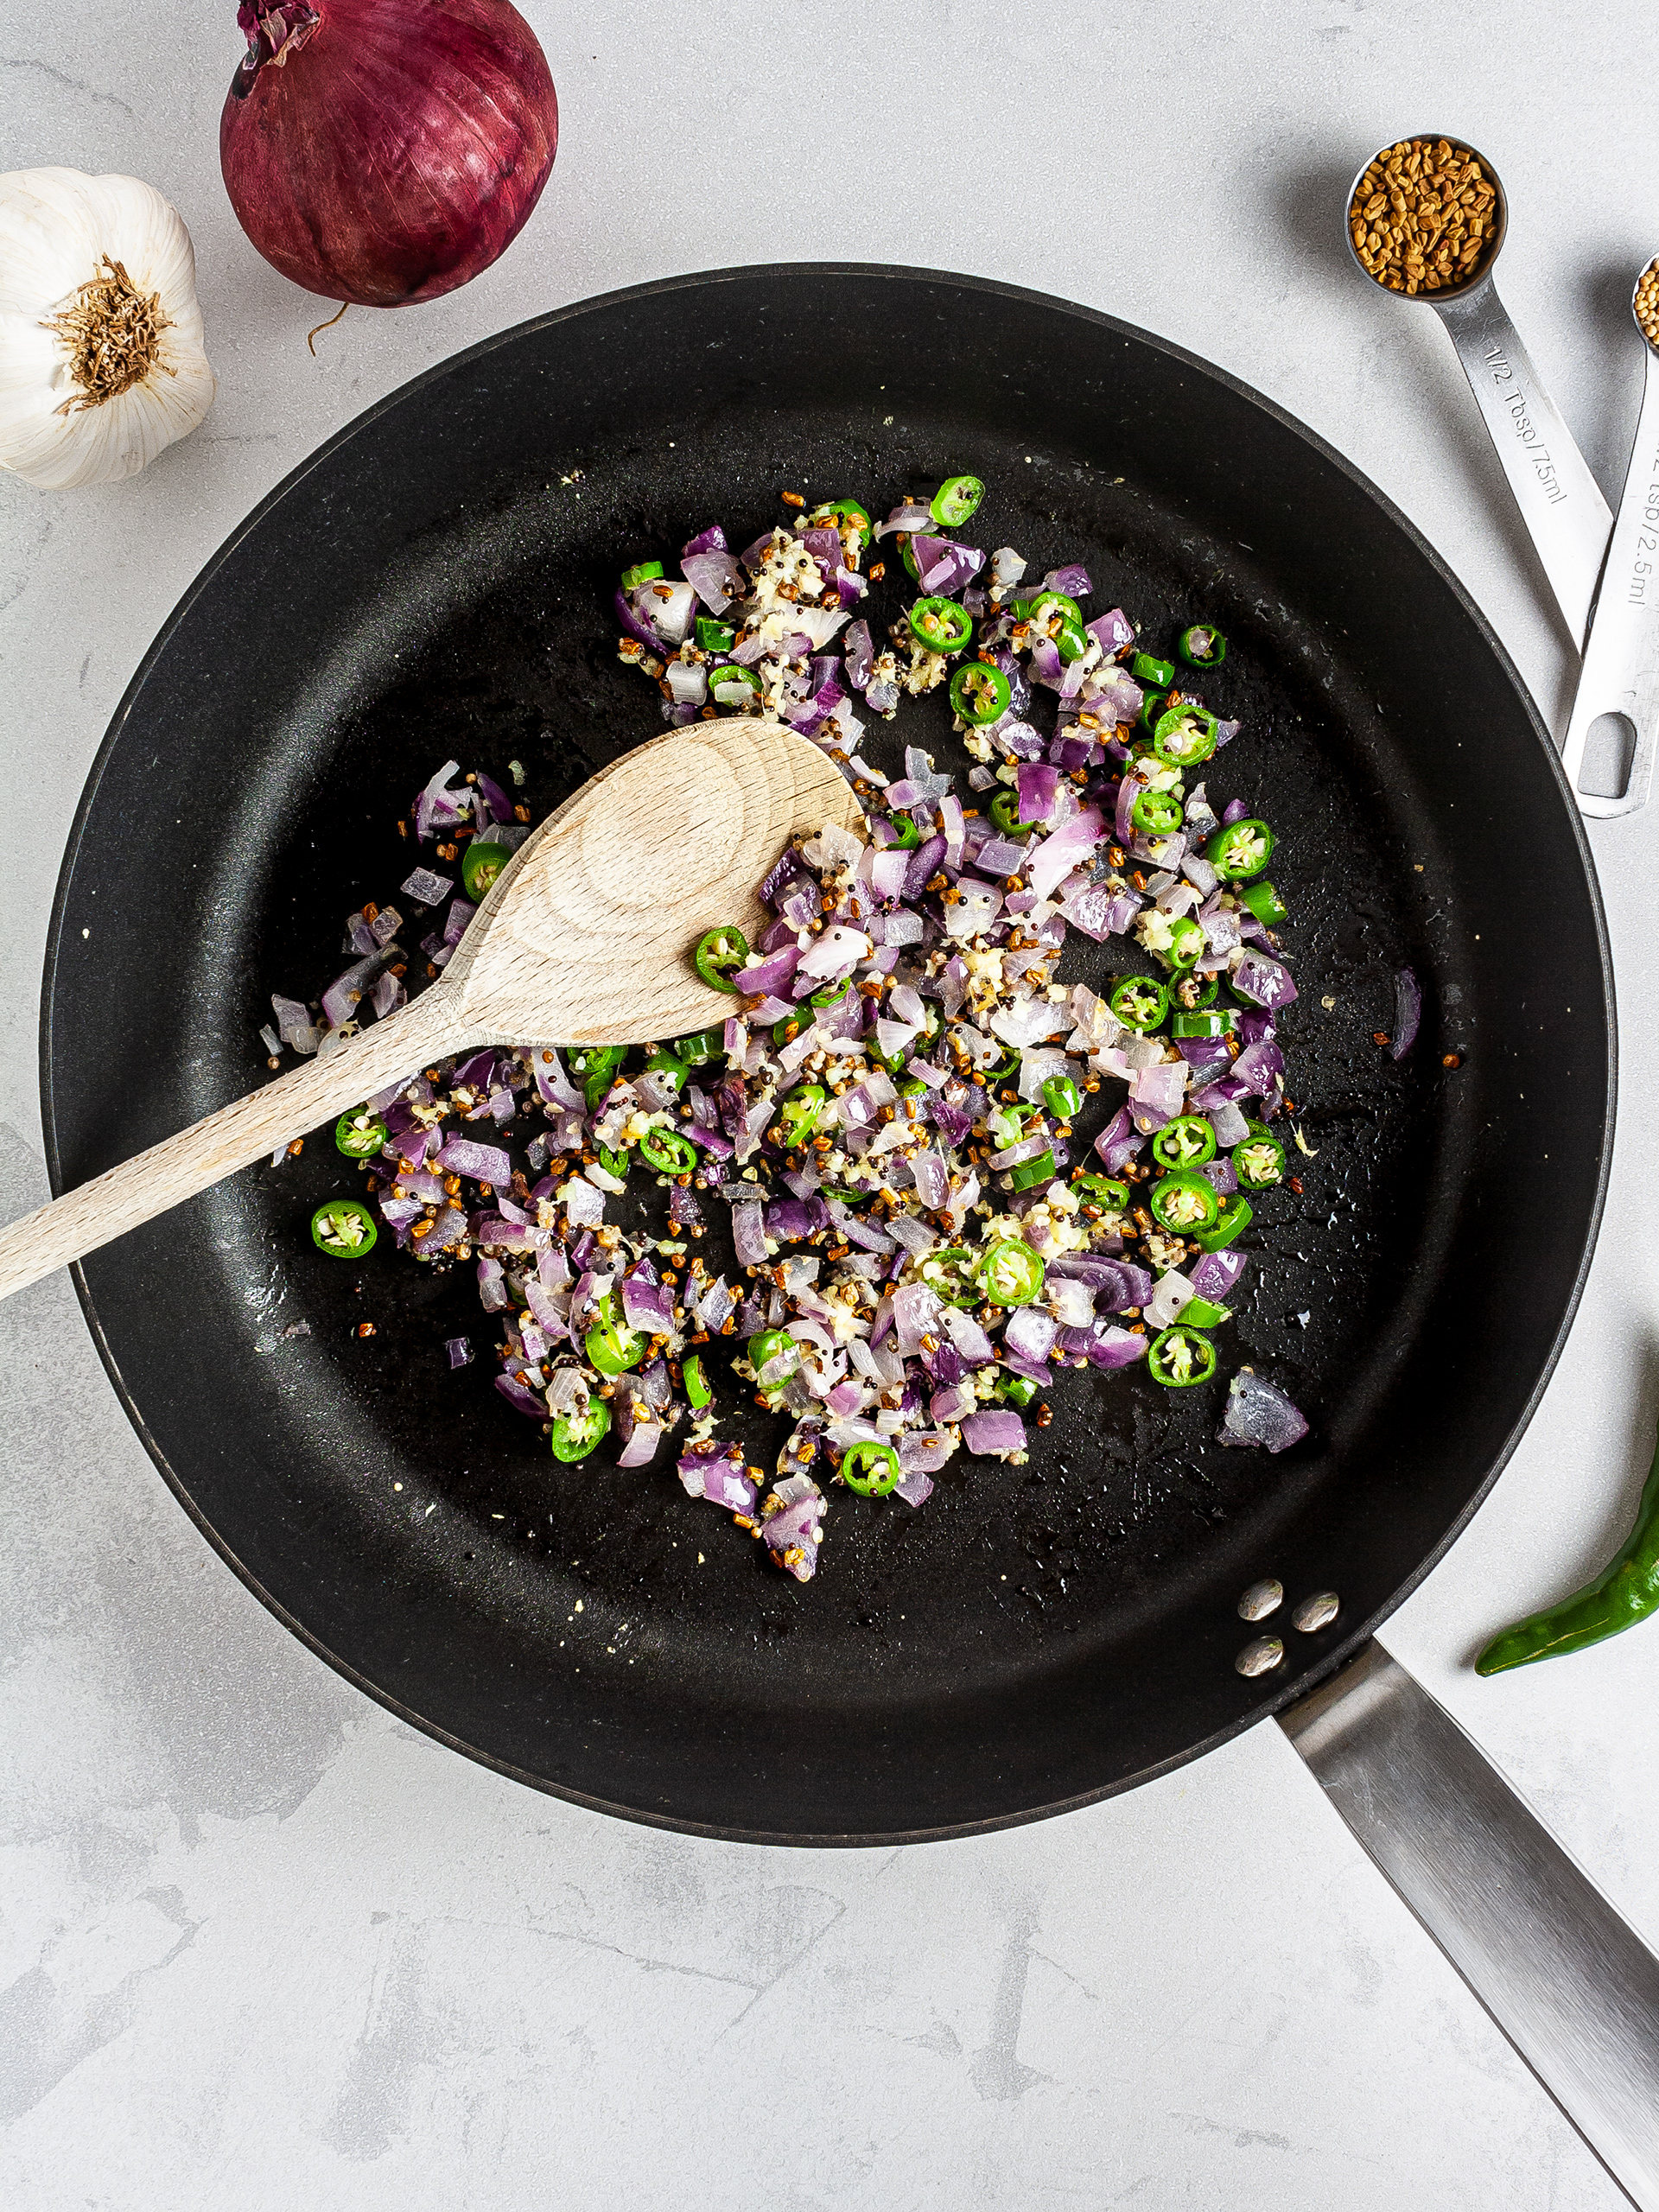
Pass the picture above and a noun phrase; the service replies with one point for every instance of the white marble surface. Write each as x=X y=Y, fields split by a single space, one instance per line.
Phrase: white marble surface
x=264 y=1946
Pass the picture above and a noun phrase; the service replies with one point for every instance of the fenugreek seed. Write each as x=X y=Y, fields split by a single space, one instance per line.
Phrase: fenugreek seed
x=1316 y=1612
x=1261 y=1599
x=1260 y=1657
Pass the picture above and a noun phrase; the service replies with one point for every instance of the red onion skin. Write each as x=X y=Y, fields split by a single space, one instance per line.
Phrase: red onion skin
x=394 y=153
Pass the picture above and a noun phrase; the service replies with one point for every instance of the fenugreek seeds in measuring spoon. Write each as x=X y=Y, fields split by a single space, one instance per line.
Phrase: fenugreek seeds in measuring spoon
x=1426 y=219
x=1620 y=676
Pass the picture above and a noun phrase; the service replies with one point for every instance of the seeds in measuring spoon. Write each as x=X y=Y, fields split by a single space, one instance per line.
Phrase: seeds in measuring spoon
x=1261 y=1599
x=1260 y=1657
x=1423 y=216
x=1316 y=1612
x=1647 y=302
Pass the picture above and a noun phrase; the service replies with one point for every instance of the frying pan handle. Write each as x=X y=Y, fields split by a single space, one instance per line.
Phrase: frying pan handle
x=163 y=1177
x=1569 y=1983
x=1621 y=662
x=1560 y=500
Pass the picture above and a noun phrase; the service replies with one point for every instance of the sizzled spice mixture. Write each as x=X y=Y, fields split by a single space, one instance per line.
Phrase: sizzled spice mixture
x=946 y=1175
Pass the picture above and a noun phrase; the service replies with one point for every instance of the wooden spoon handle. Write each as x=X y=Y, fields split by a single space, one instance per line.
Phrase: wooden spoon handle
x=178 y=1167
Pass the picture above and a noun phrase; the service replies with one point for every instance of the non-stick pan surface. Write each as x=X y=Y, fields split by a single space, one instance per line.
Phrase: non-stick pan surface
x=435 y=583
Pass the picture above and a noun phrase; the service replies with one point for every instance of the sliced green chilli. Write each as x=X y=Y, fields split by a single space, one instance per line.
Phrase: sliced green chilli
x=872 y=1469
x=979 y=693
x=1259 y=1162
x=1184 y=735
x=1202 y=645
x=1185 y=1204
x=1187 y=1141
x=940 y=625
x=361 y=1134
x=956 y=501
x=1180 y=1358
x=719 y=955
x=697 y=1393
x=1264 y=903
x=667 y=1151
x=344 y=1229
x=1240 y=850
x=1011 y=1273
x=573 y=1435
x=480 y=865
x=1139 y=1002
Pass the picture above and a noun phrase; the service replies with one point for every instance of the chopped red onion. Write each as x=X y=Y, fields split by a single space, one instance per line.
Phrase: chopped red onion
x=1161 y=1088
x=527 y=1401
x=1072 y=579
x=1174 y=1292
x=793 y=1528
x=1408 y=1011
x=430 y=890
x=1029 y=1332
x=923 y=862
x=748 y=1233
x=486 y=1163
x=944 y=568
x=1071 y=1302
x=1118 y=1142
x=715 y=1472
x=952 y=1403
x=1260 y=1066
x=1267 y=981
x=294 y=1024
x=989 y=1434
x=1257 y=1413
x=915 y=1314
x=715 y=576
x=908 y=515
x=1216 y=1274
x=837 y=953
x=974 y=1347
x=647 y=1305
x=439 y=808
x=641 y=1448
x=1057 y=856
x=1114 y=1347
x=1229 y=1125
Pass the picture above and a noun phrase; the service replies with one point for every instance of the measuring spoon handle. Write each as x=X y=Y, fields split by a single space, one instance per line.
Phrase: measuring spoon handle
x=1560 y=500
x=1621 y=662
x=167 y=1174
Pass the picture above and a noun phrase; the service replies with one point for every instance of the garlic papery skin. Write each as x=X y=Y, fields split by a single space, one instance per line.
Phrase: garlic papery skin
x=101 y=358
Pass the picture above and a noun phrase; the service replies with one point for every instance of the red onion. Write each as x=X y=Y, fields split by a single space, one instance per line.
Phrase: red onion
x=381 y=151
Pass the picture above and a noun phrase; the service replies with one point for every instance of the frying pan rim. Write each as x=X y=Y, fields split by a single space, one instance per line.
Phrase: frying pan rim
x=1283 y=1695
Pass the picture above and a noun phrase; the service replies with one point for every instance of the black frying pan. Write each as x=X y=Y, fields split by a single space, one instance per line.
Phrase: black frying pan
x=435 y=581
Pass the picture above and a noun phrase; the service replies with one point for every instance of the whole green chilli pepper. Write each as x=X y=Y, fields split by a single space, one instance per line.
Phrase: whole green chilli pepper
x=1625 y=1591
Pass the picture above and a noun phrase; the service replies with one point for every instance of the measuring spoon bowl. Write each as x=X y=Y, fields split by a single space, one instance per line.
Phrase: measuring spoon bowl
x=1560 y=502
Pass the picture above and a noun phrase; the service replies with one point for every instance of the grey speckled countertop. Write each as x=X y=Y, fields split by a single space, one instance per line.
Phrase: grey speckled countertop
x=265 y=1947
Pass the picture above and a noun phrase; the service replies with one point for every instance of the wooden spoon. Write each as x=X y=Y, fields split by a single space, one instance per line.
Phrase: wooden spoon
x=585 y=939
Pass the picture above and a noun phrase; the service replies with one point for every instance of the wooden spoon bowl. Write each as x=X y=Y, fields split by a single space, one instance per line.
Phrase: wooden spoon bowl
x=584 y=938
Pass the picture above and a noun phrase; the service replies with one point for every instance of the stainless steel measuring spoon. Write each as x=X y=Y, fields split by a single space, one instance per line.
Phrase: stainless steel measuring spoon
x=1621 y=661
x=1560 y=500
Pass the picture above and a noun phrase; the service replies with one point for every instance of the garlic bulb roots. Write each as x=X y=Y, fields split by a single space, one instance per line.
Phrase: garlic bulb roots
x=101 y=360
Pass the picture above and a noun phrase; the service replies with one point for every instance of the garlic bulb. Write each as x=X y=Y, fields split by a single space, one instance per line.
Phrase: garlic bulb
x=101 y=362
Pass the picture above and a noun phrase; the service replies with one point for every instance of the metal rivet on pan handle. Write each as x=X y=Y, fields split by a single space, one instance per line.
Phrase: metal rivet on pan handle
x=1619 y=684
